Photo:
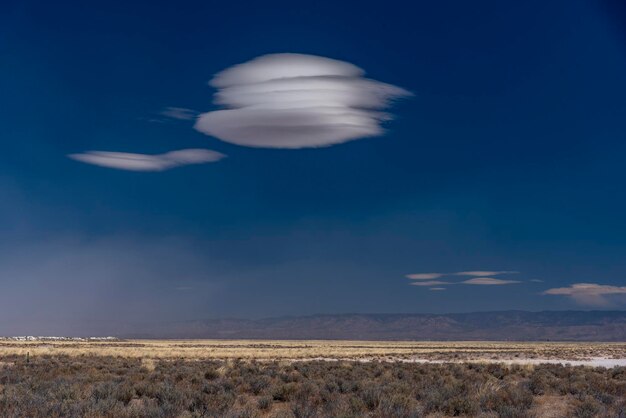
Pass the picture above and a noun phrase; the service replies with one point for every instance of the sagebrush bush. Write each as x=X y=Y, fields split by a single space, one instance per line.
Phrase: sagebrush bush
x=91 y=386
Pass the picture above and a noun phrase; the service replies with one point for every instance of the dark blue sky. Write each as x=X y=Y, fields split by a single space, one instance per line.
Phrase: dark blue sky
x=509 y=156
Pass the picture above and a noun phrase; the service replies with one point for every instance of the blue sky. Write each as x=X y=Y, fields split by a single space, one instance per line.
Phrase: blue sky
x=507 y=157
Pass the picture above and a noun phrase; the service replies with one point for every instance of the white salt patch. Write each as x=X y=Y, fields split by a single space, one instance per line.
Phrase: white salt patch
x=591 y=362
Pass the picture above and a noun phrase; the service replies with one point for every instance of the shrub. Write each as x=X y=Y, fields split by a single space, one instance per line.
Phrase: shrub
x=56 y=386
x=264 y=403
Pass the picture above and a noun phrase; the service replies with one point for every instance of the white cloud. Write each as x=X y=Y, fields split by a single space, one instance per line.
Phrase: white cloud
x=296 y=101
x=589 y=293
x=181 y=113
x=424 y=276
x=488 y=281
x=279 y=66
x=145 y=162
x=429 y=283
x=437 y=288
x=536 y=280
x=483 y=273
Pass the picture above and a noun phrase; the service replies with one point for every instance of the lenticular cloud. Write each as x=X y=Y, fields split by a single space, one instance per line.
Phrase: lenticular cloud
x=144 y=162
x=296 y=101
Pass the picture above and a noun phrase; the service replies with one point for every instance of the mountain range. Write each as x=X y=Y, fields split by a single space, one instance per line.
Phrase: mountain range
x=503 y=326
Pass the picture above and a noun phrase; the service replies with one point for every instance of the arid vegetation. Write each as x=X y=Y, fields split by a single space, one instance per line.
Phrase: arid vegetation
x=106 y=386
x=355 y=350
x=213 y=378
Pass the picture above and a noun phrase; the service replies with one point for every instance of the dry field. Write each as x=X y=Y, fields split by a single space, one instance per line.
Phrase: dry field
x=307 y=379
x=327 y=350
x=118 y=387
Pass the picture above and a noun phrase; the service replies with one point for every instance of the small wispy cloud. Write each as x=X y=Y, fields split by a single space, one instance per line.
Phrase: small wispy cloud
x=488 y=281
x=424 y=276
x=477 y=273
x=482 y=278
x=536 y=280
x=437 y=288
x=296 y=101
x=180 y=113
x=147 y=162
x=480 y=273
x=591 y=294
x=429 y=283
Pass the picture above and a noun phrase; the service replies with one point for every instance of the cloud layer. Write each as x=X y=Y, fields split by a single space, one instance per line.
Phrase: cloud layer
x=430 y=283
x=430 y=279
x=146 y=162
x=478 y=273
x=296 y=101
x=489 y=281
x=589 y=293
x=181 y=113
x=424 y=276
x=483 y=273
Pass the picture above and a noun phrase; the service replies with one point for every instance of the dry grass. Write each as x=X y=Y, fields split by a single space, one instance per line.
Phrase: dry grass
x=292 y=350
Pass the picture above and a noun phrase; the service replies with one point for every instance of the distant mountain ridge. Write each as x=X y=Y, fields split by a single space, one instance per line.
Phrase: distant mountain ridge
x=502 y=325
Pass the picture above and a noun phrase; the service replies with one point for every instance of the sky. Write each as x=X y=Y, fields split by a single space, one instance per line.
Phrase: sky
x=186 y=160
